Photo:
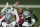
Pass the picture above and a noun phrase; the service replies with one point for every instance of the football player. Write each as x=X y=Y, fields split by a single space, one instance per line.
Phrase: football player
x=4 y=24
x=20 y=12
x=28 y=21
x=8 y=12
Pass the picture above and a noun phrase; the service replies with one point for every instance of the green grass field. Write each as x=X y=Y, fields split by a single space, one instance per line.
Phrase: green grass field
x=37 y=13
x=26 y=2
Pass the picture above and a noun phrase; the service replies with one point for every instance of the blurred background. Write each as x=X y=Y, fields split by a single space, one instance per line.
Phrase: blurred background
x=25 y=2
x=29 y=2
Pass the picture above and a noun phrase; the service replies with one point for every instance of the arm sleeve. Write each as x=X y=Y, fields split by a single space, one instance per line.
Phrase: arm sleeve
x=35 y=17
x=2 y=18
x=2 y=11
x=12 y=12
x=17 y=19
x=13 y=24
x=12 y=7
x=15 y=13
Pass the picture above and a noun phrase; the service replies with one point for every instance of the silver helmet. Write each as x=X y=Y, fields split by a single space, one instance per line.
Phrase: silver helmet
x=26 y=14
x=7 y=11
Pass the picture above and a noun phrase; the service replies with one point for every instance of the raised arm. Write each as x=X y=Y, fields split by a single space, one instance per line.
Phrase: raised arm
x=17 y=19
x=2 y=19
x=13 y=12
x=2 y=11
x=35 y=17
x=13 y=8
x=16 y=4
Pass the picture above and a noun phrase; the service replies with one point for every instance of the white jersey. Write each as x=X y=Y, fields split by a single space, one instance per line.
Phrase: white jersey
x=28 y=24
x=4 y=24
x=11 y=12
x=8 y=17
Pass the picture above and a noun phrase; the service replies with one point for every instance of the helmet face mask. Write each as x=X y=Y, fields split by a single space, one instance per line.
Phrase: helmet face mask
x=8 y=15
x=26 y=14
x=7 y=11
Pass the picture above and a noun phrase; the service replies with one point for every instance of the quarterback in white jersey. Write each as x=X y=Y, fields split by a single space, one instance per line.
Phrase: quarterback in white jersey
x=12 y=24
x=8 y=17
x=8 y=11
x=28 y=22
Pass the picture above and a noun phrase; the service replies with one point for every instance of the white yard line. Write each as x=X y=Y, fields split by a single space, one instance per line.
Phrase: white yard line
x=23 y=6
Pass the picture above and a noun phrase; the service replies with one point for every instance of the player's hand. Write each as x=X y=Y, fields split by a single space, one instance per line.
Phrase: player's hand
x=31 y=11
x=17 y=3
x=7 y=4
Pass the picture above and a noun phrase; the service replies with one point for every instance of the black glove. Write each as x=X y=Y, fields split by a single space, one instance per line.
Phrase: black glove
x=31 y=11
